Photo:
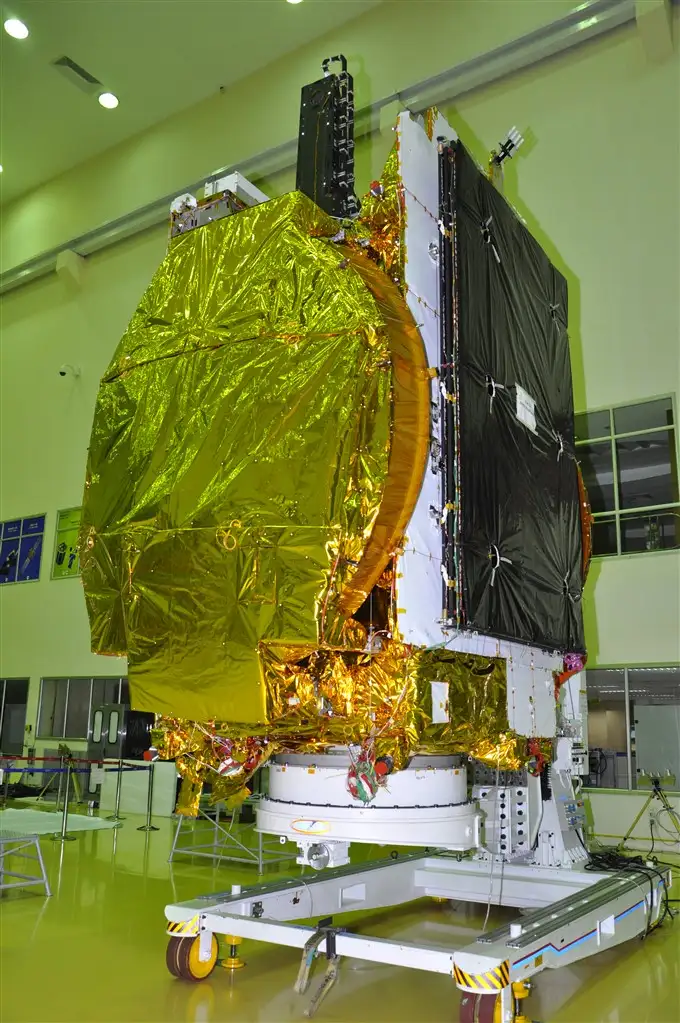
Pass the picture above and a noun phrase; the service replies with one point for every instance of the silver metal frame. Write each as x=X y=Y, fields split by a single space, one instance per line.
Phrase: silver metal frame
x=76 y=678
x=14 y=844
x=617 y=513
x=573 y=914
x=226 y=846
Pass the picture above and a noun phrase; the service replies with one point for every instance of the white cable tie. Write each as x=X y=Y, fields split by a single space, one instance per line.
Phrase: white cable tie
x=498 y=559
x=494 y=387
x=446 y=395
x=486 y=235
x=566 y=588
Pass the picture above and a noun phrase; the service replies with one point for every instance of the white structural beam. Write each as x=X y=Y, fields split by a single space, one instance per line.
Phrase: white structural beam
x=596 y=912
x=417 y=956
x=619 y=907
x=386 y=883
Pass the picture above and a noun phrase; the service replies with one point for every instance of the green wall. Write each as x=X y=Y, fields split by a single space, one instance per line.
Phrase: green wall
x=395 y=45
x=597 y=182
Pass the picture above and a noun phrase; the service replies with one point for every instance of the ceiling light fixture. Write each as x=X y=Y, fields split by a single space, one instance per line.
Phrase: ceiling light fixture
x=294 y=1
x=108 y=100
x=15 y=28
x=0 y=168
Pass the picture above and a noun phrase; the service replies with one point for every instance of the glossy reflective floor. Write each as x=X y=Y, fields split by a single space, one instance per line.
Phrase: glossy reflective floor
x=95 y=952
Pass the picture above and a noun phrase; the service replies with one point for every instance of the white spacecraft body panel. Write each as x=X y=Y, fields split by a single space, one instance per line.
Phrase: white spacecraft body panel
x=531 y=701
x=419 y=585
x=531 y=689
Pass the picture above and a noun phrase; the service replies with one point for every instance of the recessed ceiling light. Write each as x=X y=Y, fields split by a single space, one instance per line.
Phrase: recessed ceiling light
x=294 y=1
x=0 y=168
x=16 y=28
x=108 y=100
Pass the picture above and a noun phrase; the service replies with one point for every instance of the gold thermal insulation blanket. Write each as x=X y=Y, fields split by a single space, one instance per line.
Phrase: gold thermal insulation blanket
x=258 y=446
x=340 y=698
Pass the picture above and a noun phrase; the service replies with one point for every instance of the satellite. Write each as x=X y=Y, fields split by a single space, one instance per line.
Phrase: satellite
x=333 y=514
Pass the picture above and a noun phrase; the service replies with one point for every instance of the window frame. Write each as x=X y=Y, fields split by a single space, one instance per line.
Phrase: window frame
x=3 y=693
x=617 y=513
x=627 y=694
x=67 y=679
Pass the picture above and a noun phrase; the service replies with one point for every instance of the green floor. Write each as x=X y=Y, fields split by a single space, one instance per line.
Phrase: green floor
x=95 y=951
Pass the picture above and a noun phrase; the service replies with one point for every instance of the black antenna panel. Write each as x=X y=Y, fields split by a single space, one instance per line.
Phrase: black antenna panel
x=325 y=167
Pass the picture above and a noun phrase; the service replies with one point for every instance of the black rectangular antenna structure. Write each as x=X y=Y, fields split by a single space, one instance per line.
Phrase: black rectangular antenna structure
x=325 y=165
x=512 y=553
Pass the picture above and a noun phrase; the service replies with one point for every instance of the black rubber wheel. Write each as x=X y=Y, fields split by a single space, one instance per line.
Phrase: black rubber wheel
x=477 y=1008
x=181 y=959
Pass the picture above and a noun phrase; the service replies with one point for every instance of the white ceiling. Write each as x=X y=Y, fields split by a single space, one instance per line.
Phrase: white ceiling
x=157 y=56
x=645 y=684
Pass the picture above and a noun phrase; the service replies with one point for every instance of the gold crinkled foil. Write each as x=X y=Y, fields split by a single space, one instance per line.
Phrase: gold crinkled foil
x=340 y=698
x=379 y=229
x=259 y=443
x=243 y=460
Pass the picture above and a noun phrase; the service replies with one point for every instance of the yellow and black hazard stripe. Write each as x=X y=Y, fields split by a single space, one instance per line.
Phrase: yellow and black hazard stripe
x=491 y=980
x=184 y=928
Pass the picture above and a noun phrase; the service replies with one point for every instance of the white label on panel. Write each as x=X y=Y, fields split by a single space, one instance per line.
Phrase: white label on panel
x=526 y=408
x=440 y=702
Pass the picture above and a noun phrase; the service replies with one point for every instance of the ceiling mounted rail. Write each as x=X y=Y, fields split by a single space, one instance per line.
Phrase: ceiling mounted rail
x=586 y=22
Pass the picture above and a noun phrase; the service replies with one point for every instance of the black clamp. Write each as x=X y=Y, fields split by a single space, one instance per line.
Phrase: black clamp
x=508 y=147
x=324 y=932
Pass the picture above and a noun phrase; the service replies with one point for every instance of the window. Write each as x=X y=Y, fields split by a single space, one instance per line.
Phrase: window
x=633 y=726
x=629 y=461
x=13 y=698
x=66 y=704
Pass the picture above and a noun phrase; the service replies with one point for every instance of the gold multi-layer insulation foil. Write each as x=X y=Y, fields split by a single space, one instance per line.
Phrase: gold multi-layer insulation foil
x=258 y=446
x=380 y=225
x=335 y=697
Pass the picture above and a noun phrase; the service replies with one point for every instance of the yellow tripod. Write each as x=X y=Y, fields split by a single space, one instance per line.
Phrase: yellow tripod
x=656 y=793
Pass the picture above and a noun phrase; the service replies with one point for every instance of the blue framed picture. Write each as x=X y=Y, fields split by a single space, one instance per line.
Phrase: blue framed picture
x=9 y=559
x=21 y=549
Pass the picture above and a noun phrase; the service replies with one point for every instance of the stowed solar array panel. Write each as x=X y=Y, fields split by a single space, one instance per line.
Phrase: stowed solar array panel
x=520 y=531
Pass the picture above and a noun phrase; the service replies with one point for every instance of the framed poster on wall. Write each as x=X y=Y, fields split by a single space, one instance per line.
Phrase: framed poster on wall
x=21 y=544
x=66 y=560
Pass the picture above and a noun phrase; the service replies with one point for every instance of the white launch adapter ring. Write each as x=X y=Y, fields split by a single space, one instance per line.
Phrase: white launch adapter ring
x=424 y=805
